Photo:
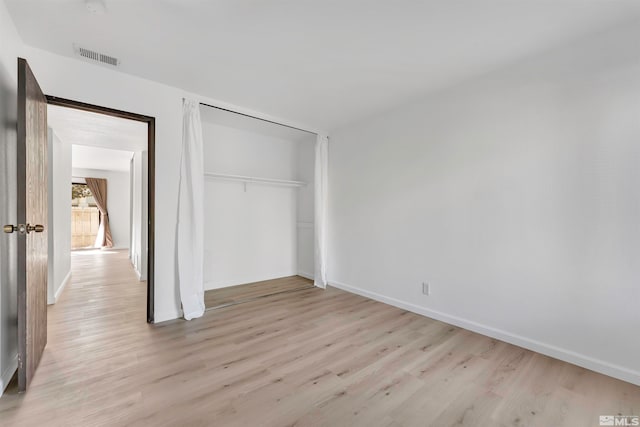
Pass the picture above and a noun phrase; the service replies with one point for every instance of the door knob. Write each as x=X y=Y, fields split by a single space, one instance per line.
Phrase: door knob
x=20 y=228
x=23 y=229
x=37 y=228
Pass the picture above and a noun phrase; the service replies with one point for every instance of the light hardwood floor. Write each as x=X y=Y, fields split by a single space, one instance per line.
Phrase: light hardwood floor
x=250 y=291
x=306 y=358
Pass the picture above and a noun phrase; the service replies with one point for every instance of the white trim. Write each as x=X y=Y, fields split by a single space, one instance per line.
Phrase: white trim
x=8 y=373
x=65 y=282
x=166 y=316
x=305 y=275
x=582 y=360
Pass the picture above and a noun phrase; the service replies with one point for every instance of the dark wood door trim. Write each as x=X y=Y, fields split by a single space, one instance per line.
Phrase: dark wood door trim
x=151 y=179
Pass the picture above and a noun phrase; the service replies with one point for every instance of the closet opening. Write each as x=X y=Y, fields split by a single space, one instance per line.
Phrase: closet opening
x=259 y=208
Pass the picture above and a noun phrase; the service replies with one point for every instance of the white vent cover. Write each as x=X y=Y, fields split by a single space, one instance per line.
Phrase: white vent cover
x=96 y=56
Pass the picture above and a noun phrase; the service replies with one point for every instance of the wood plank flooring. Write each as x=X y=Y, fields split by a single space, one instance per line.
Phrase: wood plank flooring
x=241 y=293
x=306 y=358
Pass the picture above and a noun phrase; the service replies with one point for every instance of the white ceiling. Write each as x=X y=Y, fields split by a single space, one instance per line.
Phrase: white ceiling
x=97 y=130
x=97 y=141
x=85 y=157
x=324 y=63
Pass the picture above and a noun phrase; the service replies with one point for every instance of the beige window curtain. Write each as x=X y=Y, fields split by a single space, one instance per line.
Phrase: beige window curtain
x=98 y=187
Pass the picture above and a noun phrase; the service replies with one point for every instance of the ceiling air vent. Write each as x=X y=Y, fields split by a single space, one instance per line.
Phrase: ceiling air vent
x=96 y=56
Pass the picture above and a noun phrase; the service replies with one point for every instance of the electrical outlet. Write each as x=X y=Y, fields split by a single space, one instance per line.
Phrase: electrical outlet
x=426 y=288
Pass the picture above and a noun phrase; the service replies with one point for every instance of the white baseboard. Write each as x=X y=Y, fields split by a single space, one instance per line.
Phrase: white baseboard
x=8 y=373
x=141 y=277
x=306 y=275
x=160 y=317
x=578 y=359
x=66 y=280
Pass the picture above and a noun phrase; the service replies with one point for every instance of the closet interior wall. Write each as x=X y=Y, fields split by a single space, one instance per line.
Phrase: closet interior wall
x=256 y=231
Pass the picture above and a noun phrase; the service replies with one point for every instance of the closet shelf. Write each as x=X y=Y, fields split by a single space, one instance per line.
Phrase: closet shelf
x=253 y=179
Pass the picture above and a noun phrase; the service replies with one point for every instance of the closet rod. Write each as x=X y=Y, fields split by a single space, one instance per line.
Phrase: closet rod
x=258 y=118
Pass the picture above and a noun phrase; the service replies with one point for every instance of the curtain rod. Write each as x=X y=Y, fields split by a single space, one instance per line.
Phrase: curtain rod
x=258 y=118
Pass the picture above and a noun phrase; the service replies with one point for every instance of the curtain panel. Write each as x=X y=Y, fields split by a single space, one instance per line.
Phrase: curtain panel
x=321 y=184
x=98 y=187
x=190 y=227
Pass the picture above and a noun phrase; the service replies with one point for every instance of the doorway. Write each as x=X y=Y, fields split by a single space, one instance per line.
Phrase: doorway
x=137 y=198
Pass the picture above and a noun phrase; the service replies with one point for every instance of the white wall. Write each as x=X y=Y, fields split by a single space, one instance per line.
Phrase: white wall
x=9 y=47
x=59 y=229
x=118 y=199
x=249 y=236
x=304 y=207
x=516 y=196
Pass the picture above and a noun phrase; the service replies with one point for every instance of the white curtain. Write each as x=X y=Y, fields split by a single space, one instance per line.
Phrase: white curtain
x=321 y=181
x=190 y=230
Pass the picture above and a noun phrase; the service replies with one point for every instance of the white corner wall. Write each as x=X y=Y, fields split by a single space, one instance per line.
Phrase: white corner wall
x=249 y=235
x=516 y=196
x=118 y=199
x=59 y=229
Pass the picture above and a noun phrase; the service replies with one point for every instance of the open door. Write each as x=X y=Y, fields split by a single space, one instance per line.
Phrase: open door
x=32 y=221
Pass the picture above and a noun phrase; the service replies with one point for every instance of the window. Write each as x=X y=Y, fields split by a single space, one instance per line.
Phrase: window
x=85 y=217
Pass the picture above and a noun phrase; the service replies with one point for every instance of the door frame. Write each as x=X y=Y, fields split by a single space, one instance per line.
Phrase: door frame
x=151 y=181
